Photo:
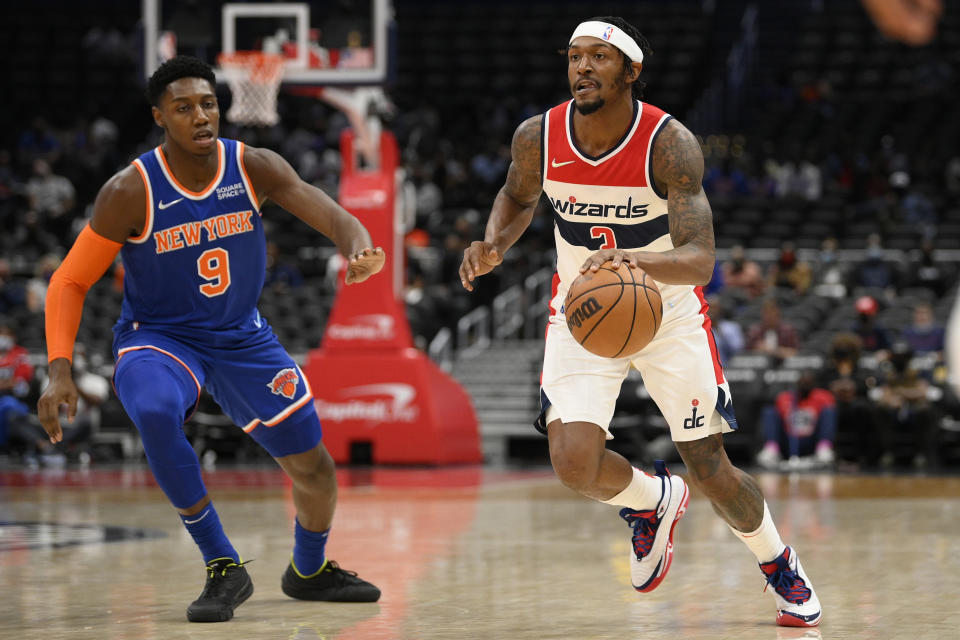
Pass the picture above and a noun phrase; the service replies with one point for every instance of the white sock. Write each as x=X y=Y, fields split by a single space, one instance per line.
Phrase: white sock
x=642 y=493
x=765 y=542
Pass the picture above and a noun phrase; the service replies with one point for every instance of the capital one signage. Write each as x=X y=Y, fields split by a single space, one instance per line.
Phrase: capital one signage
x=373 y=326
x=385 y=402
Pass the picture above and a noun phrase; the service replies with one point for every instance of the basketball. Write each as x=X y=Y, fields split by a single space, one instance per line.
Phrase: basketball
x=613 y=312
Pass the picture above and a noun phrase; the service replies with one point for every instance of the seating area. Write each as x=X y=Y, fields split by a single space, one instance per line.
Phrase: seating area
x=841 y=135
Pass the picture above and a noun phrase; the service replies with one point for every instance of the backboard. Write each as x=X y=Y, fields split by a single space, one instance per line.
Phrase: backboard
x=324 y=42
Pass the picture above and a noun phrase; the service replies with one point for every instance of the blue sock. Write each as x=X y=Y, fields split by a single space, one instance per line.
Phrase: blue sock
x=308 y=550
x=208 y=533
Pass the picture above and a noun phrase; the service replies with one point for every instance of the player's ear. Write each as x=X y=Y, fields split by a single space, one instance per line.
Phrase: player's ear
x=157 y=116
x=637 y=67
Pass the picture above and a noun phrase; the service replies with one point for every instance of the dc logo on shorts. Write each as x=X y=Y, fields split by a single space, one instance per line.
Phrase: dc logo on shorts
x=694 y=420
x=607 y=33
x=285 y=383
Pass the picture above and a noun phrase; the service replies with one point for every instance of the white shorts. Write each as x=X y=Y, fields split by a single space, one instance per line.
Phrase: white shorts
x=679 y=368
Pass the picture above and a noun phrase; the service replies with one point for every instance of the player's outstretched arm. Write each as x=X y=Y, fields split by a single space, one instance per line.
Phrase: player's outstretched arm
x=119 y=212
x=274 y=179
x=513 y=207
x=678 y=172
x=911 y=21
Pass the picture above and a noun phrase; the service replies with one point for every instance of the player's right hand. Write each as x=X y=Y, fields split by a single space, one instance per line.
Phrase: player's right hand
x=911 y=21
x=478 y=259
x=60 y=390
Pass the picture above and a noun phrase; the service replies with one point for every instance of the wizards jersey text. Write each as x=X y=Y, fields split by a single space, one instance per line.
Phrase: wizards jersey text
x=608 y=201
x=199 y=262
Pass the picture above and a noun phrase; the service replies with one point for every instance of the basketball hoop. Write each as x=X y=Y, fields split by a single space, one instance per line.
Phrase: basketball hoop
x=254 y=80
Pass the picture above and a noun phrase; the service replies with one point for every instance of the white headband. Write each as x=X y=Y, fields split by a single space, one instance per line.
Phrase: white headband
x=611 y=34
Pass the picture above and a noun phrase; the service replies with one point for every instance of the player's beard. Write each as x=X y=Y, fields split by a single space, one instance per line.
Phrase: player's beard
x=586 y=108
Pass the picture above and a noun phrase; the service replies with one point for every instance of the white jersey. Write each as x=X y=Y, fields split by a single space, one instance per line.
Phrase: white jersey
x=605 y=202
x=608 y=201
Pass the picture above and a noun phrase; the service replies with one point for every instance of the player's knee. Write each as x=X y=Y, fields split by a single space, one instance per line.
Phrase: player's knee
x=154 y=401
x=312 y=470
x=573 y=467
x=156 y=411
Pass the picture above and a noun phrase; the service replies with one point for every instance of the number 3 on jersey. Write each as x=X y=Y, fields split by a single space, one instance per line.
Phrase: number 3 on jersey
x=609 y=240
x=213 y=265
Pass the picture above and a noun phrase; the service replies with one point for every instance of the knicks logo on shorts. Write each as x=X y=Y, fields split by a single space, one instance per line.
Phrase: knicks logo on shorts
x=285 y=383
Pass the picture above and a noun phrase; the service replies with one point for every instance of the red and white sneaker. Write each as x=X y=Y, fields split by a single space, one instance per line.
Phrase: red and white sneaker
x=797 y=603
x=652 y=548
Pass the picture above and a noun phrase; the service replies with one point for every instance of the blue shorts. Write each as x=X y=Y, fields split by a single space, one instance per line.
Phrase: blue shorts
x=248 y=373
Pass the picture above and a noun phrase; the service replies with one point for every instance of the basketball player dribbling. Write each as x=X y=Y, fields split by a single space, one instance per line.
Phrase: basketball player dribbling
x=605 y=147
x=185 y=218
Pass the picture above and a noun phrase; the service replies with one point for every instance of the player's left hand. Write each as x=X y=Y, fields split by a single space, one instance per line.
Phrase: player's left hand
x=364 y=263
x=616 y=256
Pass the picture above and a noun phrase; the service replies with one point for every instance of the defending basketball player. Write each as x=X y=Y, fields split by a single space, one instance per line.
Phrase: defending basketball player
x=185 y=218
x=624 y=179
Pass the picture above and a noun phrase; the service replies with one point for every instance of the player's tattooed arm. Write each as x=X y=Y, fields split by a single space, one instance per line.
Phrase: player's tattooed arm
x=678 y=172
x=513 y=207
x=515 y=203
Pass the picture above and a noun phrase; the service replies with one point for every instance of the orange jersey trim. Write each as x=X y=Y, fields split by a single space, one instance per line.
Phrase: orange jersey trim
x=286 y=413
x=193 y=195
x=148 y=217
x=241 y=148
x=88 y=259
x=127 y=350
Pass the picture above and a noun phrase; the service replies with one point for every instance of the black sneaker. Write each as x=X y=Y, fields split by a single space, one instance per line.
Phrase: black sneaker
x=332 y=584
x=228 y=586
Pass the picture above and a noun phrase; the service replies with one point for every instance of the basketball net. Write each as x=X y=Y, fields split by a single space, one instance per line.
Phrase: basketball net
x=254 y=80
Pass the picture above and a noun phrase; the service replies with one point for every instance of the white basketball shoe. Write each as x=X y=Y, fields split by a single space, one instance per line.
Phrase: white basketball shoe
x=797 y=603
x=652 y=548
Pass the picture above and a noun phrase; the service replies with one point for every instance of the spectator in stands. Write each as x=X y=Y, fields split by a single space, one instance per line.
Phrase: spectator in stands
x=951 y=176
x=727 y=332
x=924 y=335
x=788 y=272
x=422 y=309
x=9 y=189
x=797 y=176
x=12 y=292
x=743 y=275
x=726 y=178
x=490 y=164
x=802 y=422
x=93 y=390
x=716 y=283
x=875 y=272
x=917 y=209
x=925 y=272
x=773 y=335
x=906 y=420
x=38 y=143
x=281 y=273
x=872 y=334
x=51 y=196
x=830 y=274
x=850 y=385
x=16 y=376
x=16 y=372
x=37 y=285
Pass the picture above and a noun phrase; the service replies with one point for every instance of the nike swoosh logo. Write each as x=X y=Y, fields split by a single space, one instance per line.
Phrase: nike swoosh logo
x=205 y=512
x=164 y=205
x=555 y=164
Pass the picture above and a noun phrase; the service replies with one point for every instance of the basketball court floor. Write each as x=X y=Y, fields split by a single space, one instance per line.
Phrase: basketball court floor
x=471 y=552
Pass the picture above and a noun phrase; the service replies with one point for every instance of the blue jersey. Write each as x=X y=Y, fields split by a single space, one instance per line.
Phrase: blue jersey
x=200 y=261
